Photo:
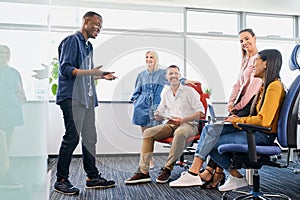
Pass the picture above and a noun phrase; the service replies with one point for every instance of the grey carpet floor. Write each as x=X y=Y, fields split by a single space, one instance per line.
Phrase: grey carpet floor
x=121 y=167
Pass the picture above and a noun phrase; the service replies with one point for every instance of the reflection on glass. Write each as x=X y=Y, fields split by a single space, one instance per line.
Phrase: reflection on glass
x=23 y=132
x=11 y=97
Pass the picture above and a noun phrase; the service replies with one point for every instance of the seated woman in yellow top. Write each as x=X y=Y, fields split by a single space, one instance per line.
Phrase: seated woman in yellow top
x=264 y=112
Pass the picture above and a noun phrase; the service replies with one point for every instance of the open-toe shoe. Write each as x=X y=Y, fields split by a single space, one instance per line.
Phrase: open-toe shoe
x=217 y=179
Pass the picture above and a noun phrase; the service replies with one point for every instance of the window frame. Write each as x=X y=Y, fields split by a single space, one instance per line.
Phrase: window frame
x=183 y=32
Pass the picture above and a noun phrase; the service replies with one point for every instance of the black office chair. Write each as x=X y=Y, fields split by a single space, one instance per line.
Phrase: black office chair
x=254 y=157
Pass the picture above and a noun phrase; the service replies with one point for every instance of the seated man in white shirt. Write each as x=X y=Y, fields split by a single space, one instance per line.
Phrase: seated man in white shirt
x=181 y=105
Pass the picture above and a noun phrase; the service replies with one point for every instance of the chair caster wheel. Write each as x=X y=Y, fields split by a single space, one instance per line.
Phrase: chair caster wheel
x=296 y=171
x=224 y=197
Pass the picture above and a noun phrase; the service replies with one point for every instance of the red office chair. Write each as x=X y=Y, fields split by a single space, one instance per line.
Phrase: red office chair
x=194 y=139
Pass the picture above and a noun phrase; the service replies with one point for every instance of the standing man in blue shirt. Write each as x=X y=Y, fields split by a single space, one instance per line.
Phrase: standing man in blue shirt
x=77 y=99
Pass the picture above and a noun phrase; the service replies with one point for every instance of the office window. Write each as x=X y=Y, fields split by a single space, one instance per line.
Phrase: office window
x=276 y=26
x=141 y=19
x=17 y=13
x=216 y=62
x=64 y=16
x=287 y=76
x=123 y=52
x=29 y=50
x=214 y=22
x=298 y=27
x=120 y=19
x=128 y=59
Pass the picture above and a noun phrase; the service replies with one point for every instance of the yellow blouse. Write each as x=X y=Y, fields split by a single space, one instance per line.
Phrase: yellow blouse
x=269 y=113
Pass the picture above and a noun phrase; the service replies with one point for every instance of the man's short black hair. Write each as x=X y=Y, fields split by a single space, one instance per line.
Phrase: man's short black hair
x=91 y=14
x=173 y=66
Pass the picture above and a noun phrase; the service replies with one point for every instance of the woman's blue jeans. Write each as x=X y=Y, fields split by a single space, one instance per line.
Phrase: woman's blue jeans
x=215 y=135
x=78 y=120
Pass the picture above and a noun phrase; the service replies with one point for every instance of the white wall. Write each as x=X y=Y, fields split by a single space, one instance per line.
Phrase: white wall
x=116 y=134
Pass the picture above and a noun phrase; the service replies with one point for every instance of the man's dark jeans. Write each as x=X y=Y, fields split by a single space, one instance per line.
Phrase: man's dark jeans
x=78 y=120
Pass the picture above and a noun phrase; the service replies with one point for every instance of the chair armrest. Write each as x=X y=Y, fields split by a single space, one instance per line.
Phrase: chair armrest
x=203 y=121
x=250 y=128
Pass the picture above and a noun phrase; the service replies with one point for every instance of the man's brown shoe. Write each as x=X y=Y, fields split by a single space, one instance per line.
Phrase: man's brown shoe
x=138 y=178
x=163 y=175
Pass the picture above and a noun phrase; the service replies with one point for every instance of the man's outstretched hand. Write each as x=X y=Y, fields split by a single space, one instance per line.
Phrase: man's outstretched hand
x=109 y=76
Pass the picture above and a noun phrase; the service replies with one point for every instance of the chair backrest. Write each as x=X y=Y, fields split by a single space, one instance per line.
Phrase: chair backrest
x=203 y=96
x=293 y=64
x=287 y=124
x=288 y=121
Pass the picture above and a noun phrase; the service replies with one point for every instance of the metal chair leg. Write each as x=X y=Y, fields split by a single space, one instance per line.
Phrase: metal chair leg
x=255 y=193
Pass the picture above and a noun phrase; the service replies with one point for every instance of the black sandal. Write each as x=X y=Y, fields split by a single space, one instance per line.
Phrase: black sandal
x=210 y=172
x=217 y=180
x=208 y=181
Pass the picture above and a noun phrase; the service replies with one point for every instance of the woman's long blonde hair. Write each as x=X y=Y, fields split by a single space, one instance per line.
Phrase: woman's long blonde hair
x=156 y=65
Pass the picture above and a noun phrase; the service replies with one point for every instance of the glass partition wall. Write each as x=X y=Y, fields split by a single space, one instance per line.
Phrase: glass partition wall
x=128 y=32
x=203 y=43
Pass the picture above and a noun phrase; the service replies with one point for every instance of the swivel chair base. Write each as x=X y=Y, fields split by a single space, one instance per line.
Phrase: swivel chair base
x=255 y=193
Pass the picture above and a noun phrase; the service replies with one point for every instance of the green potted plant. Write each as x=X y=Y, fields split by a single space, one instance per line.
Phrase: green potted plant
x=54 y=76
x=207 y=91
